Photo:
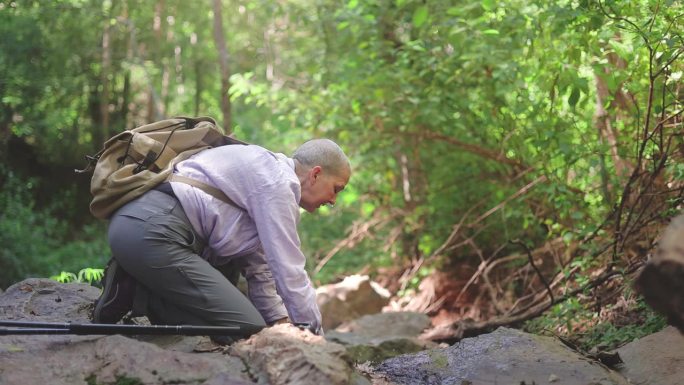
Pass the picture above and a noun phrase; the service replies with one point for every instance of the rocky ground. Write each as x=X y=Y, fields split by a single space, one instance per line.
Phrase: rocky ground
x=381 y=348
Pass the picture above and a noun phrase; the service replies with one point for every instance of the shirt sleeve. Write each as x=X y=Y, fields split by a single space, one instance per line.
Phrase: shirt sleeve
x=275 y=211
x=261 y=288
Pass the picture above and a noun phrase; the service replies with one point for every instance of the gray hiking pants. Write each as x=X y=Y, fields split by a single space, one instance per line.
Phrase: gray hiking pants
x=152 y=239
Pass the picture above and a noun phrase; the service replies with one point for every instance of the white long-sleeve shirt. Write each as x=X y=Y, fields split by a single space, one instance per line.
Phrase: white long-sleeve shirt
x=263 y=236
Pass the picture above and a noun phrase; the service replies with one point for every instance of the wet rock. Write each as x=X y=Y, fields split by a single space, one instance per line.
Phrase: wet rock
x=657 y=359
x=661 y=281
x=505 y=356
x=377 y=337
x=284 y=354
x=350 y=299
x=383 y=326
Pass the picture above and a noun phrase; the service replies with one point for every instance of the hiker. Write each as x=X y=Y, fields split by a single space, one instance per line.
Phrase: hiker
x=177 y=250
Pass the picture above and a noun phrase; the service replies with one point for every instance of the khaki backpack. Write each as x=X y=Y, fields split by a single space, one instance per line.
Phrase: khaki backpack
x=137 y=160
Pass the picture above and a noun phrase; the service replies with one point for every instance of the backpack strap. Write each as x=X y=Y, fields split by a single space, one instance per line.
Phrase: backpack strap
x=211 y=190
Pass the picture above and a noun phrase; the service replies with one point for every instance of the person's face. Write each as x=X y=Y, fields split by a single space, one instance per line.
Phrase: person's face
x=319 y=188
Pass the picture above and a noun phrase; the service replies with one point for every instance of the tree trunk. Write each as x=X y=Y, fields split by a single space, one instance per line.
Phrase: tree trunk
x=103 y=132
x=198 y=86
x=220 y=41
x=607 y=132
x=603 y=119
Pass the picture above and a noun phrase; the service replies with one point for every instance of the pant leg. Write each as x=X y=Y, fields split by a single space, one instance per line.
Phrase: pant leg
x=152 y=239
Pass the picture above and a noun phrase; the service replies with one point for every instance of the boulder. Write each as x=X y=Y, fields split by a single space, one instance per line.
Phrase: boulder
x=352 y=298
x=278 y=355
x=284 y=354
x=374 y=338
x=110 y=360
x=505 y=356
x=70 y=359
x=661 y=281
x=48 y=301
x=656 y=359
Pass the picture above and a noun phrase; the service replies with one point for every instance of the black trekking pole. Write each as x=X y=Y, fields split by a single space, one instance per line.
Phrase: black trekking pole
x=26 y=327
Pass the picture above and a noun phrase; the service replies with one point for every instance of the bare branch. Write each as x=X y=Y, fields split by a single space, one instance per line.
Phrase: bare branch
x=531 y=259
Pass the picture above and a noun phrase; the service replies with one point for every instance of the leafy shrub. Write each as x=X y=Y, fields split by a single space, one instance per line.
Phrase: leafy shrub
x=615 y=325
x=35 y=242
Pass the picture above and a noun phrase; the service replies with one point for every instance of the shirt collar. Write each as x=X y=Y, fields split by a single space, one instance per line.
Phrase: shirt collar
x=288 y=161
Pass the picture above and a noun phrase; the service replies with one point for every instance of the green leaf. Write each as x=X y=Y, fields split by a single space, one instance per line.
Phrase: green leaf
x=453 y=11
x=574 y=97
x=490 y=32
x=621 y=49
x=352 y=4
x=420 y=16
x=489 y=5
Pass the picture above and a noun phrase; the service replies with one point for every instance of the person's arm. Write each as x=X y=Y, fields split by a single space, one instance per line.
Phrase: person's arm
x=261 y=288
x=275 y=212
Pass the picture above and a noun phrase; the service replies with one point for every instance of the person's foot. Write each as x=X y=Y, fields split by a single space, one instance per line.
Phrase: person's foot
x=117 y=295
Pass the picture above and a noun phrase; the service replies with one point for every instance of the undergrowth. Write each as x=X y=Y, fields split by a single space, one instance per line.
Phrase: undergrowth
x=37 y=240
x=607 y=328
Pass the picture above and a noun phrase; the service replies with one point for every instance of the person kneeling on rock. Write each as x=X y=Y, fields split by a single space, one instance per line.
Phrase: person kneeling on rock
x=177 y=251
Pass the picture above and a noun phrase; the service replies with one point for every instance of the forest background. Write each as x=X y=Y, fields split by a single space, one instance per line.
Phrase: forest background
x=510 y=157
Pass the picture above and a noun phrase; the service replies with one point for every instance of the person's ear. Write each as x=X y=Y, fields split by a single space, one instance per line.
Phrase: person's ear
x=315 y=173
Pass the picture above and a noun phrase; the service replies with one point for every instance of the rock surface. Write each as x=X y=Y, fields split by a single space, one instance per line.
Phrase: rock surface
x=661 y=281
x=350 y=299
x=506 y=356
x=48 y=301
x=279 y=355
x=657 y=359
x=377 y=337
x=283 y=354
x=287 y=355
x=110 y=360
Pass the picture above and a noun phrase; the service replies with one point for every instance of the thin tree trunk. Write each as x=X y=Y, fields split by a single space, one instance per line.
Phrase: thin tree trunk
x=220 y=41
x=125 y=99
x=104 y=81
x=605 y=127
x=154 y=105
x=198 y=86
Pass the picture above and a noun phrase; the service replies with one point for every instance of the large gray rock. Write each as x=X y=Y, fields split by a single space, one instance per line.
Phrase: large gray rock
x=657 y=359
x=661 y=281
x=48 y=301
x=279 y=355
x=284 y=354
x=506 y=356
x=350 y=299
x=377 y=337
x=110 y=360
x=69 y=359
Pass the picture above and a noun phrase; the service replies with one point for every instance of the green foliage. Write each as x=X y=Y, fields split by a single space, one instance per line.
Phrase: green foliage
x=447 y=109
x=608 y=336
x=615 y=326
x=35 y=241
x=87 y=275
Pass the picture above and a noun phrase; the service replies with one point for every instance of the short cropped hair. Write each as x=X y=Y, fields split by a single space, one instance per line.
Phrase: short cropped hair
x=324 y=153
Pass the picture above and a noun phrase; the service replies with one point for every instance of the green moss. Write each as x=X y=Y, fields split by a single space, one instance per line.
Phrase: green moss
x=123 y=380
x=439 y=359
x=91 y=380
x=387 y=349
